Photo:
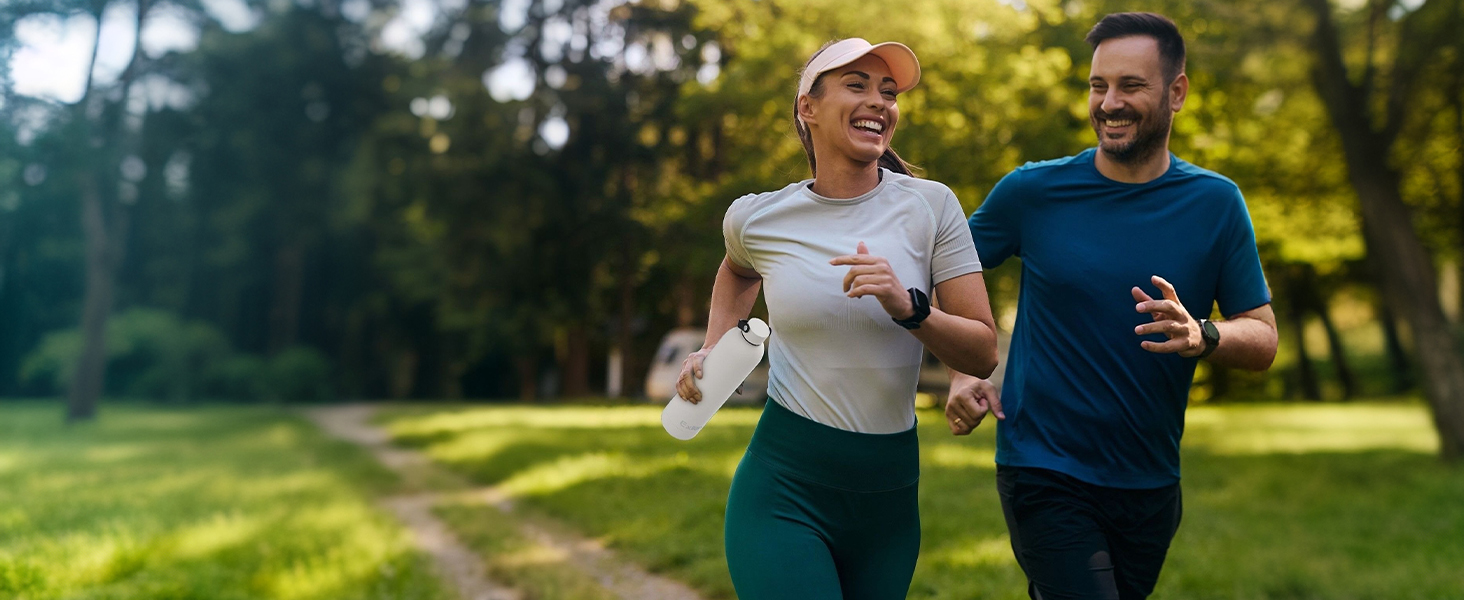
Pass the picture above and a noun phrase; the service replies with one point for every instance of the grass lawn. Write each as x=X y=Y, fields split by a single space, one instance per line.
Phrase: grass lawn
x=211 y=503
x=1330 y=502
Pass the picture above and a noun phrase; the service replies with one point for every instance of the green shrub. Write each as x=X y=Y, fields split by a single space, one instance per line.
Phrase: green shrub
x=154 y=354
x=299 y=374
x=241 y=378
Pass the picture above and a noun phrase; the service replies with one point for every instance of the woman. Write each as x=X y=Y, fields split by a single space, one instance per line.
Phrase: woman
x=823 y=505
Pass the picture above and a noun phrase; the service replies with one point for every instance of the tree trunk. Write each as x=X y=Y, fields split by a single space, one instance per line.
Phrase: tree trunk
x=1339 y=352
x=91 y=371
x=624 y=339
x=576 y=366
x=1296 y=310
x=1311 y=295
x=685 y=292
x=527 y=366
x=404 y=373
x=1397 y=358
x=1408 y=282
x=452 y=367
x=104 y=241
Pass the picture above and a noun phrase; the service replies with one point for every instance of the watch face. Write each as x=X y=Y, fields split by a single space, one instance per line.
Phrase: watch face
x=1208 y=329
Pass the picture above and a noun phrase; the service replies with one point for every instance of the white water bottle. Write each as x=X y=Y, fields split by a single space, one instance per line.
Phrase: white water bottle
x=724 y=368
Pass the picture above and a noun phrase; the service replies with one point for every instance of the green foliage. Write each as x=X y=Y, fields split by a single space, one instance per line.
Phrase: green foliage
x=299 y=374
x=154 y=354
x=303 y=186
x=220 y=503
x=1343 y=502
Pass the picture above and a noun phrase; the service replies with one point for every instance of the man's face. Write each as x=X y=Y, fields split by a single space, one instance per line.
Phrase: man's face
x=1129 y=102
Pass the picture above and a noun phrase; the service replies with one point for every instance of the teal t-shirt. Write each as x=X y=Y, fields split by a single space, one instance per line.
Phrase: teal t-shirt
x=1081 y=396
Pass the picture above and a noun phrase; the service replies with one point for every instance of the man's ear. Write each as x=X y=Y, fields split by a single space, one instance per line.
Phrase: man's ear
x=1179 y=91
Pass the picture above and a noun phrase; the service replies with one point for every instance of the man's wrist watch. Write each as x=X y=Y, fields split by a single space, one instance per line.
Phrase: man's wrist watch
x=921 y=303
x=1211 y=335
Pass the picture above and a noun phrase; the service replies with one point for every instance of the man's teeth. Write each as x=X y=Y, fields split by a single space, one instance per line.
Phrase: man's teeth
x=1123 y=123
x=869 y=125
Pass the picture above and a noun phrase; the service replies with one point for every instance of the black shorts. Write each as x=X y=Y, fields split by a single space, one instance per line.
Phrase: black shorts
x=1076 y=540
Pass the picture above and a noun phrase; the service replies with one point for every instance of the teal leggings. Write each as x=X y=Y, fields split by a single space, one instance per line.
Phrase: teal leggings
x=820 y=513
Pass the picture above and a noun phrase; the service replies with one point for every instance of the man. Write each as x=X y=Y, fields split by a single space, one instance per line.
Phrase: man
x=1125 y=249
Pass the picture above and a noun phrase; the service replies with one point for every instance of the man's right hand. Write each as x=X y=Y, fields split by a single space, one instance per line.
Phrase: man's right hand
x=970 y=400
x=691 y=367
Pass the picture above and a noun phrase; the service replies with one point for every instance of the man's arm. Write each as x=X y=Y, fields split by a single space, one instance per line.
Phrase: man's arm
x=1247 y=339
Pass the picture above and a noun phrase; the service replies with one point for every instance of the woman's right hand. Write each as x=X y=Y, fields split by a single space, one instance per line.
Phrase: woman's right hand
x=691 y=367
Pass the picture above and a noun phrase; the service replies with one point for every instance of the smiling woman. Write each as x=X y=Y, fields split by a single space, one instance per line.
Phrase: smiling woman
x=850 y=259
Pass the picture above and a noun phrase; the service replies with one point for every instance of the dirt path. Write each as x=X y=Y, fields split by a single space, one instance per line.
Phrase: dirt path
x=463 y=568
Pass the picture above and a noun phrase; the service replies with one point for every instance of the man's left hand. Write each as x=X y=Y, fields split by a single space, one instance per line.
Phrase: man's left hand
x=1170 y=319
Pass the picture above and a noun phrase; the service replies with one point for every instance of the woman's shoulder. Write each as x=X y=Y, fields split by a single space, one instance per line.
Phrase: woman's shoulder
x=925 y=187
x=938 y=196
x=750 y=202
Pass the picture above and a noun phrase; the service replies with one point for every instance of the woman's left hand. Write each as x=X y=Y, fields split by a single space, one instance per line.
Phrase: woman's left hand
x=871 y=275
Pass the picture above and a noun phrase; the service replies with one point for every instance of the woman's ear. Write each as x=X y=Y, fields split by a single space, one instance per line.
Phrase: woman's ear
x=805 y=110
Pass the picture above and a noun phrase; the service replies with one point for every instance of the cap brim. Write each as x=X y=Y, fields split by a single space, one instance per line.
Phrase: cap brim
x=904 y=67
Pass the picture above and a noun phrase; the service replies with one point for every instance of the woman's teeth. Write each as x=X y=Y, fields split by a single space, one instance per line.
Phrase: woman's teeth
x=868 y=125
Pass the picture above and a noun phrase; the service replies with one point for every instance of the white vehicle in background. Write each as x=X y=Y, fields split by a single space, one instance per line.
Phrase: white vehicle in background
x=679 y=342
x=666 y=367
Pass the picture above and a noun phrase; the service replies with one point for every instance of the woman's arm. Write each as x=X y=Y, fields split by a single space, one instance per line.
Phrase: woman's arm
x=733 y=294
x=960 y=330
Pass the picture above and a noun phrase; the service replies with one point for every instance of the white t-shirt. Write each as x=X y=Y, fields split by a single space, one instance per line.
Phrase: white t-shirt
x=837 y=360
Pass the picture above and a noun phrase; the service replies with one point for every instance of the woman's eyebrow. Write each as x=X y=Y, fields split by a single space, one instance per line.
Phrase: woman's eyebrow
x=865 y=76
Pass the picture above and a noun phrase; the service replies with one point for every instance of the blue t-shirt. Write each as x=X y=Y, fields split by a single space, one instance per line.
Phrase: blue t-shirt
x=1081 y=396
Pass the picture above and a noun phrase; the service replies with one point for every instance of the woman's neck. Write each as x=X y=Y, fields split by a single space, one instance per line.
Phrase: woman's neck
x=841 y=179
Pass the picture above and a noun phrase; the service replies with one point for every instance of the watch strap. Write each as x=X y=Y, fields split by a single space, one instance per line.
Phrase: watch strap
x=921 y=305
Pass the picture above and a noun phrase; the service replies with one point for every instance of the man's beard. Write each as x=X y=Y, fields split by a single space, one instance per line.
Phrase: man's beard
x=1150 y=136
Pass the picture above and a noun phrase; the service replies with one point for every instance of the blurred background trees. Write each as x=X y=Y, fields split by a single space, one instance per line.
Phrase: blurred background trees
x=517 y=198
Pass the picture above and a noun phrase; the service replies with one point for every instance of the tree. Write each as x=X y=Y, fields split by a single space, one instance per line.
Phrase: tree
x=1369 y=109
x=104 y=213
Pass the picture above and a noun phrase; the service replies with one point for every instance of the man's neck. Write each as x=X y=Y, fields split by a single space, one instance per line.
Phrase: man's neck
x=842 y=178
x=1142 y=171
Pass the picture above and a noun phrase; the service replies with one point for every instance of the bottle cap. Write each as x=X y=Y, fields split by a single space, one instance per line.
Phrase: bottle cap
x=754 y=330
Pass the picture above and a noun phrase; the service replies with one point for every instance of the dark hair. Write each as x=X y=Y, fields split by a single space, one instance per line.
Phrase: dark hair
x=1159 y=27
x=889 y=160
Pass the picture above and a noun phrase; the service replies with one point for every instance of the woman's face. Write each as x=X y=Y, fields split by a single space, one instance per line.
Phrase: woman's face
x=856 y=115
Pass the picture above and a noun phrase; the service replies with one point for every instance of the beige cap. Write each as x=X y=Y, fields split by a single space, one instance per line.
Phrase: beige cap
x=904 y=67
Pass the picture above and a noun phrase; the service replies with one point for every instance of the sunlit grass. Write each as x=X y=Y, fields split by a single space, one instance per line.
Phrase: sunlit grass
x=207 y=503
x=544 y=572
x=1281 y=501
x=1307 y=428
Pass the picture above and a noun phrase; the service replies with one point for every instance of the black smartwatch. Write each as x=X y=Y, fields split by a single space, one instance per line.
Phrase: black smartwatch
x=921 y=304
x=1211 y=334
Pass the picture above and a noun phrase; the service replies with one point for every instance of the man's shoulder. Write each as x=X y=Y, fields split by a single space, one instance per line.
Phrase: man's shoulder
x=1039 y=173
x=1199 y=176
x=1047 y=167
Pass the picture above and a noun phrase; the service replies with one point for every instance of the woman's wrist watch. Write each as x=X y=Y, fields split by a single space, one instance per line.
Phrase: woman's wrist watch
x=921 y=303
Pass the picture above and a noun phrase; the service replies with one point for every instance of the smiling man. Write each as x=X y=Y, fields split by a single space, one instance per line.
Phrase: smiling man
x=1125 y=250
